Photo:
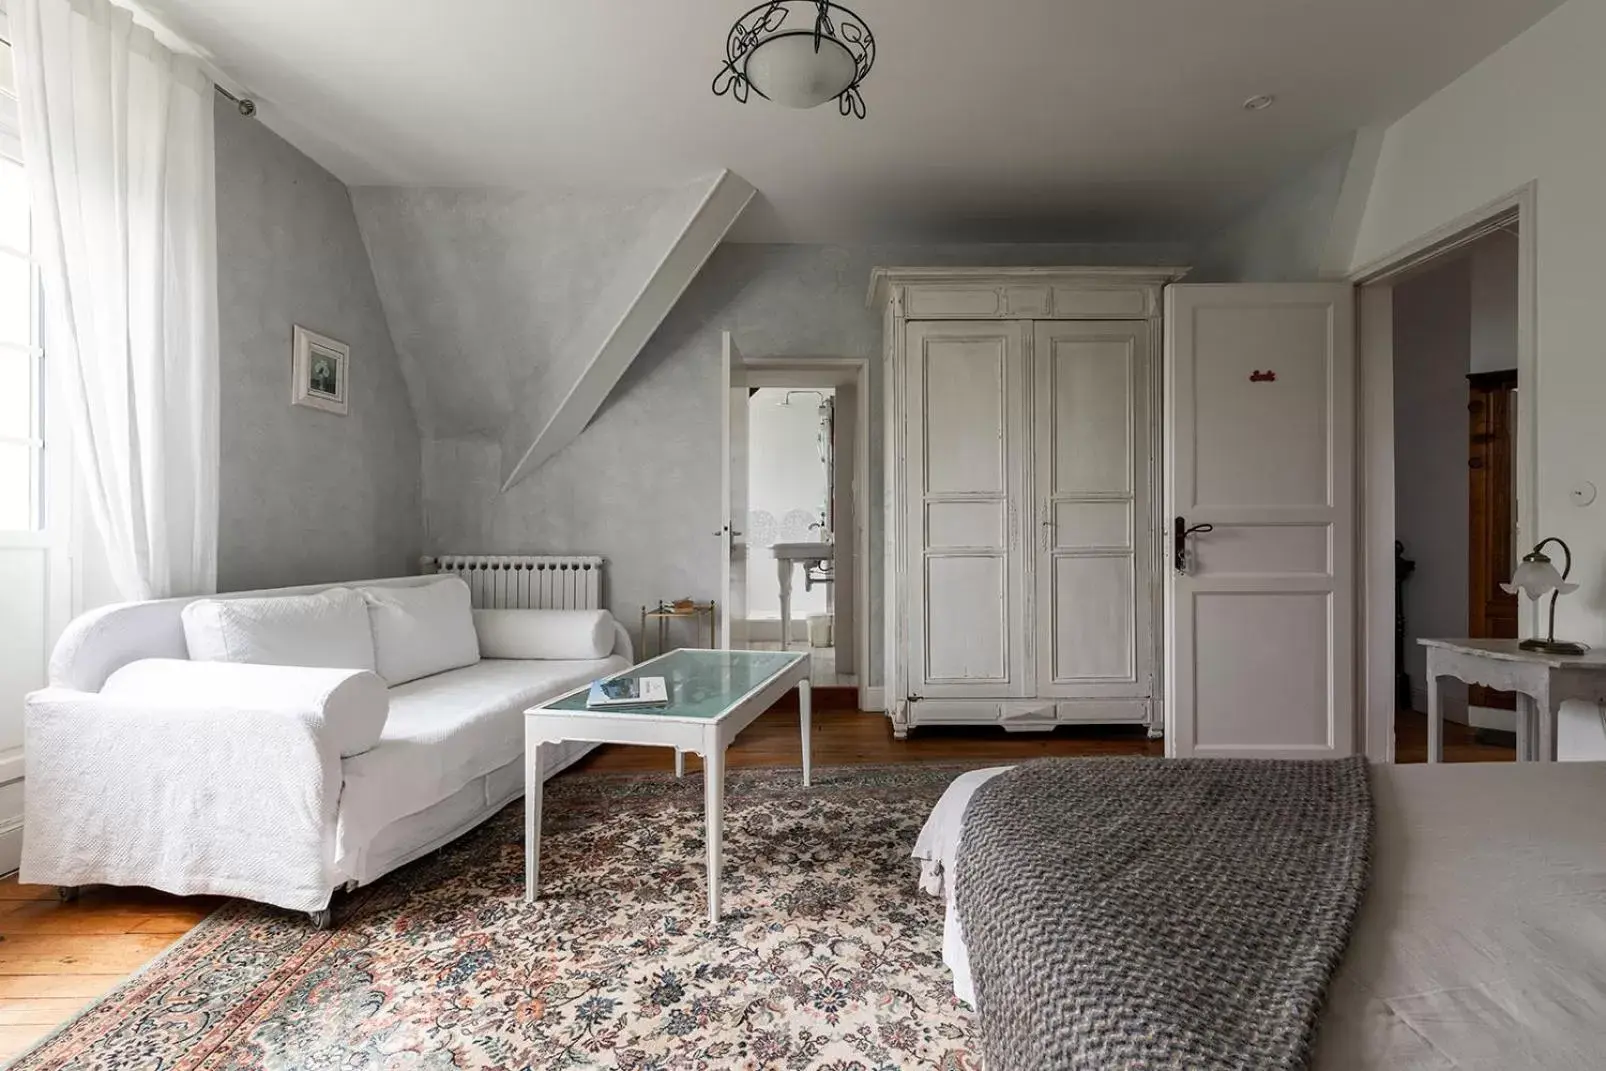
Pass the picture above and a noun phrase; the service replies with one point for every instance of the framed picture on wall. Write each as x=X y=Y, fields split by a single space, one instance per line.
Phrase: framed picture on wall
x=320 y=371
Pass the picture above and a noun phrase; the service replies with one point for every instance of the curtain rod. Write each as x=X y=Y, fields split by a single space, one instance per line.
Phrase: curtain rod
x=247 y=106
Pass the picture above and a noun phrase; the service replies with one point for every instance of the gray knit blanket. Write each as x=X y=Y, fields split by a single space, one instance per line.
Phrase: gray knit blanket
x=1151 y=913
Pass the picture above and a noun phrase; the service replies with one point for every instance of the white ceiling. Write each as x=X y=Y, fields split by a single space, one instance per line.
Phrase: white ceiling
x=989 y=120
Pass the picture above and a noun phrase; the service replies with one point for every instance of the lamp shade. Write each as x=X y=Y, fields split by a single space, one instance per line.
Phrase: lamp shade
x=1536 y=577
x=790 y=70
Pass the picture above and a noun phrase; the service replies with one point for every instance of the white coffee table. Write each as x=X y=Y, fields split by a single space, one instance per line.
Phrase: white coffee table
x=713 y=695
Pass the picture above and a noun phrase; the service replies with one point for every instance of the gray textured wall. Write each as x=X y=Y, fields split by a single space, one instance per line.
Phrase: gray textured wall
x=641 y=484
x=306 y=496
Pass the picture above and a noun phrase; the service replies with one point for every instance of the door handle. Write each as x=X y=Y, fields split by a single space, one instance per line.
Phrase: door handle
x=1179 y=541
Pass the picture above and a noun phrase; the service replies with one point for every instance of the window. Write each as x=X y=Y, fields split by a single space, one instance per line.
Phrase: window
x=21 y=355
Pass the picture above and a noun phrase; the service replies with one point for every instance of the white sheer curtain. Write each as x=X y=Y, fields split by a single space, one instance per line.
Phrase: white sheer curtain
x=117 y=138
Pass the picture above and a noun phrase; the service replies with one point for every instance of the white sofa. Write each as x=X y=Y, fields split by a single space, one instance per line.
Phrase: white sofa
x=283 y=784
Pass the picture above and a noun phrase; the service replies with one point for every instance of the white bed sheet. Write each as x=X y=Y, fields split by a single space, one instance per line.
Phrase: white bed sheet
x=1481 y=945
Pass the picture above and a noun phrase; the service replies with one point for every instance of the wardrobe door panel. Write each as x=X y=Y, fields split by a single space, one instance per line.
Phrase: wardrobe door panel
x=1094 y=566
x=964 y=439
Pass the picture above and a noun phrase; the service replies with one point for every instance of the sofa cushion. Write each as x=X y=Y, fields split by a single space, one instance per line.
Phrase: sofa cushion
x=570 y=634
x=349 y=705
x=423 y=630
x=446 y=730
x=328 y=629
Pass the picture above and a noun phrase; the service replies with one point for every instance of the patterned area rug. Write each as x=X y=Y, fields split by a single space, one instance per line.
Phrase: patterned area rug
x=828 y=957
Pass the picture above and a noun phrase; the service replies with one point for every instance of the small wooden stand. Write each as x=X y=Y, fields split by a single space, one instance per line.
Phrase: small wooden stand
x=666 y=612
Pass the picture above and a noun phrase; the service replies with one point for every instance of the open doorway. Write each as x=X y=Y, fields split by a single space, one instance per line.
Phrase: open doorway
x=1455 y=416
x=806 y=536
x=1447 y=347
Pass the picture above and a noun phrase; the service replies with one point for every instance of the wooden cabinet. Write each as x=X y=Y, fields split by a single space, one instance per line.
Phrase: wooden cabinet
x=964 y=485
x=1023 y=560
x=1092 y=466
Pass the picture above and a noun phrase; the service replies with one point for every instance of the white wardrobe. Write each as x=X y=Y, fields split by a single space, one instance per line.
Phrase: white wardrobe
x=1023 y=537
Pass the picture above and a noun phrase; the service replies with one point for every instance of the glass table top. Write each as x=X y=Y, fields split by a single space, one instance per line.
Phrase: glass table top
x=702 y=684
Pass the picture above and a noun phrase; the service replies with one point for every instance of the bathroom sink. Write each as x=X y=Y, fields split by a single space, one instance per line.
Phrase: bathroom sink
x=805 y=552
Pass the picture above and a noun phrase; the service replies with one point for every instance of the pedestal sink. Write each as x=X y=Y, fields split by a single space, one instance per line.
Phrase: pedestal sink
x=786 y=556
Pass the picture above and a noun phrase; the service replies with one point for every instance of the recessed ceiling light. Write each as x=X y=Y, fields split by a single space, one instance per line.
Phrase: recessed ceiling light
x=1259 y=103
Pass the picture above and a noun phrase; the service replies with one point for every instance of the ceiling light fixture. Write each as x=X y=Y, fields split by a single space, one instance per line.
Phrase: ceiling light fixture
x=798 y=53
x=1259 y=103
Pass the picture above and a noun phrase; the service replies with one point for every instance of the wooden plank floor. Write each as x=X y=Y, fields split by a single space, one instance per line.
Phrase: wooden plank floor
x=57 y=958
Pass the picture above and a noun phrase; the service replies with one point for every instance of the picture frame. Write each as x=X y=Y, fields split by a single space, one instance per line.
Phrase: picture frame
x=320 y=372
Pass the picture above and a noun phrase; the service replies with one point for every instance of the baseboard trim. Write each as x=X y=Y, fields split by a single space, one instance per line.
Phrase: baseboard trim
x=11 y=846
x=1500 y=721
x=873 y=698
x=768 y=629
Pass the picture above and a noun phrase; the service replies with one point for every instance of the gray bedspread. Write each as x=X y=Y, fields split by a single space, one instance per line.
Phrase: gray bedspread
x=1145 y=913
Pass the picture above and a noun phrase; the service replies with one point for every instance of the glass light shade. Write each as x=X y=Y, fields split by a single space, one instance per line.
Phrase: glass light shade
x=1536 y=577
x=789 y=71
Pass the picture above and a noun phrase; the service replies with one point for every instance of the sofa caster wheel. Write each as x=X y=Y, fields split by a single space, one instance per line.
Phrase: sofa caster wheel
x=68 y=894
x=322 y=919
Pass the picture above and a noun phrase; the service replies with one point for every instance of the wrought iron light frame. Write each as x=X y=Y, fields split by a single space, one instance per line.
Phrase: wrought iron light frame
x=768 y=21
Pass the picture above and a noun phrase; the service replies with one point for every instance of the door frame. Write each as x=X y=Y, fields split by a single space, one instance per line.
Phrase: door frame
x=806 y=373
x=1375 y=442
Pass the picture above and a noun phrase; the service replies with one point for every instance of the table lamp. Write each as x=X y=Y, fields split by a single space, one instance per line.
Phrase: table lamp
x=1536 y=577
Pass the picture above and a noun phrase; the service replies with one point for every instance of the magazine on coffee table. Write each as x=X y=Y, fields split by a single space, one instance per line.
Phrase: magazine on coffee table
x=628 y=692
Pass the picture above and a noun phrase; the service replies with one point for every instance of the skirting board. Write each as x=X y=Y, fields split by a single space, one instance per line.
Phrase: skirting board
x=1457 y=709
x=874 y=699
x=11 y=846
x=11 y=812
x=768 y=629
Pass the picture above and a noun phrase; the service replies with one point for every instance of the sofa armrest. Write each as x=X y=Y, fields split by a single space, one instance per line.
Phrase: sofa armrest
x=235 y=800
x=350 y=705
x=622 y=647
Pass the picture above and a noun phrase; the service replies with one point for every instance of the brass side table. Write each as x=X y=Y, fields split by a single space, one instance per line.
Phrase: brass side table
x=666 y=612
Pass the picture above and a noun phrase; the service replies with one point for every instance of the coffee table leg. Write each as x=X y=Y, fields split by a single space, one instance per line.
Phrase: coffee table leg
x=532 y=820
x=805 y=703
x=680 y=763
x=714 y=808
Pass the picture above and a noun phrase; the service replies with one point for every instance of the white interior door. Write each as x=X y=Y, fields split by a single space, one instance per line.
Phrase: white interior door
x=964 y=457
x=1095 y=540
x=1260 y=446
x=733 y=395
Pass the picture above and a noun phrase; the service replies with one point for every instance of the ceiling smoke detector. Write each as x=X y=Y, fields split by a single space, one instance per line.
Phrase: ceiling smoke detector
x=1259 y=103
x=798 y=53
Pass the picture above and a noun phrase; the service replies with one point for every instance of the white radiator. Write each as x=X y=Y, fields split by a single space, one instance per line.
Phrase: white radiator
x=525 y=581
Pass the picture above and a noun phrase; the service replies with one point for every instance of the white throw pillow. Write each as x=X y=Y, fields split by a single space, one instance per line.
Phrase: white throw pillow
x=352 y=704
x=421 y=631
x=328 y=629
x=554 y=634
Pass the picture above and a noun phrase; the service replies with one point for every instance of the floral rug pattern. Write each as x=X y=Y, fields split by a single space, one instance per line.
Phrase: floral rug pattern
x=828 y=957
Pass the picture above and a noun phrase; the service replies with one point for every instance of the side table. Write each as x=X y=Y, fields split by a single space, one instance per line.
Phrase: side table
x=665 y=612
x=1542 y=681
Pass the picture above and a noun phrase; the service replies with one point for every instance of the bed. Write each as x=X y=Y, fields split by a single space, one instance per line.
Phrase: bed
x=1481 y=943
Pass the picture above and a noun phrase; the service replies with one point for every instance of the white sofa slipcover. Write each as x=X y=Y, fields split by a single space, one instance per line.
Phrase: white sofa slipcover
x=327 y=628
x=252 y=798
x=350 y=706
x=557 y=633
x=429 y=629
